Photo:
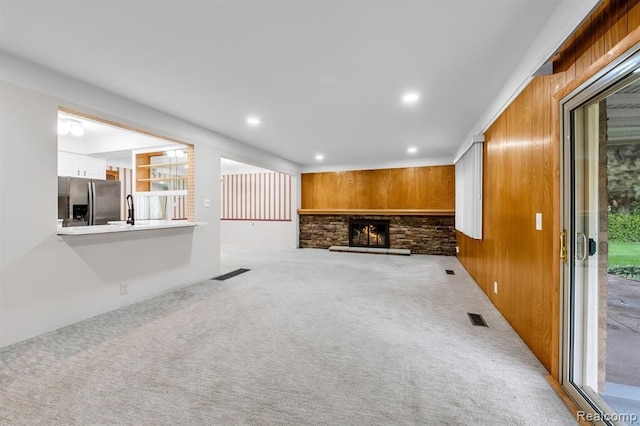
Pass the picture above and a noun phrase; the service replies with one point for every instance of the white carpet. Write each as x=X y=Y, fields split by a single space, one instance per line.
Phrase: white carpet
x=305 y=337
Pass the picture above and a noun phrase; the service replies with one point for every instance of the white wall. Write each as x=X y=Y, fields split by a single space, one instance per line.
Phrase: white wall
x=262 y=234
x=49 y=281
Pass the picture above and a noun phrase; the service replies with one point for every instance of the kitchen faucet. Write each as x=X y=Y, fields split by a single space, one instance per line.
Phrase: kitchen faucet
x=130 y=211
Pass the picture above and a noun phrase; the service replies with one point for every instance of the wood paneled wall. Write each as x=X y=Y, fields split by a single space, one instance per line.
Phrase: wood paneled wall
x=521 y=178
x=404 y=188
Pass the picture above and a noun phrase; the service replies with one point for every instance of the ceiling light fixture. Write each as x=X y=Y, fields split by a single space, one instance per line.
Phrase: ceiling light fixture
x=76 y=130
x=179 y=153
x=319 y=157
x=253 y=121
x=410 y=98
x=66 y=126
x=412 y=150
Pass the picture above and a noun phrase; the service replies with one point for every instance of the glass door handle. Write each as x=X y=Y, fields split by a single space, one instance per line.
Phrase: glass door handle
x=584 y=251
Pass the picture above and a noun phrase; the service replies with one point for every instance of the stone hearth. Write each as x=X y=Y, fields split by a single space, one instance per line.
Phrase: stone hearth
x=421 y=234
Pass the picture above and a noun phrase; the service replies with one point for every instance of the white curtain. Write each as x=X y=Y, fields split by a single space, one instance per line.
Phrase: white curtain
x=469 y=192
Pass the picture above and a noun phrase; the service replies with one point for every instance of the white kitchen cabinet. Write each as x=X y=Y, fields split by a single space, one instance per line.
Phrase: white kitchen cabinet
x=68 y=164
x=96 y=168
x=76 y=165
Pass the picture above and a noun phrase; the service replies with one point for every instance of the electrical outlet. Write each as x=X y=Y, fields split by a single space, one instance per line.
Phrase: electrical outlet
x=495 y=287
x=207 y=202
x=457 y=249
x=124 y=289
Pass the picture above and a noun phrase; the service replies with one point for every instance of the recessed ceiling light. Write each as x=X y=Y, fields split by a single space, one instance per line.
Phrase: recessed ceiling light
x=253 y=121
x=319 y=157
x=410 y=98
x=412 y=150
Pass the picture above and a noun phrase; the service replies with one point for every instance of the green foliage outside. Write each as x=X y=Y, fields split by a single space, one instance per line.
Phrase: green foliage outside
x=624 y=227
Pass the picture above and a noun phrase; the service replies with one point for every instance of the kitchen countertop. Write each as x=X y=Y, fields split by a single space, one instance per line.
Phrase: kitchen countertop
x=122 y=226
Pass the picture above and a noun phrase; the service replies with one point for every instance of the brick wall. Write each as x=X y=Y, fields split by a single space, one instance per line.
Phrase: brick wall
x=420 y=234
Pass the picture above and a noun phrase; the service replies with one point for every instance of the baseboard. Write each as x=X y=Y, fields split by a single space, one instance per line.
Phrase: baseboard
x=564 y=396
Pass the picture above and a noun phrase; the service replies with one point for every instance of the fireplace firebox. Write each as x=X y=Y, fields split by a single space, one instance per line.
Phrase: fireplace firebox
x=369 y=233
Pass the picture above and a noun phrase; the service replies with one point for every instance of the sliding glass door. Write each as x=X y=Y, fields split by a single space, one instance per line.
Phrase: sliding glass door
x=601 y=218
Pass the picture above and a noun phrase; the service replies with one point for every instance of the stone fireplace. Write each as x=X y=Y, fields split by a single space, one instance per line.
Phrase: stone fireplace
x=369 y=233
x=422 y=234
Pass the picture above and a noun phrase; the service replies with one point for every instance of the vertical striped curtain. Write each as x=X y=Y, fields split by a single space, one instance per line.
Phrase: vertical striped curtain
x=469 y=191
x=256 y=196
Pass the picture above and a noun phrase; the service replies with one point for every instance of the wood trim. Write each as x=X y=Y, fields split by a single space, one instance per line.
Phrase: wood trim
x=556 y=296
x=191 y=183
x=614 y=53
x=564 y=396
x=120 y=125
x=377 y=212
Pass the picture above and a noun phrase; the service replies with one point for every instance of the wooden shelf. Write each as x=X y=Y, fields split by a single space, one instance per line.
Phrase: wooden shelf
x=159 y=179
x=171 y=173
x=162 y=165
x=377 y=212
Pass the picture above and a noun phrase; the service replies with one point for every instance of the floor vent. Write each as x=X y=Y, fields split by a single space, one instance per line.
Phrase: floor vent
x=476 y=319
x=231 y=274
x=449 y=272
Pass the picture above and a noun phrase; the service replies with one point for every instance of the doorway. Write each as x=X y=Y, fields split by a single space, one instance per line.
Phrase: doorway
x=601 y=218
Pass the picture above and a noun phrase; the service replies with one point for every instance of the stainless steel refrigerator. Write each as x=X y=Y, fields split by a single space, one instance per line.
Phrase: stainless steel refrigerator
x=86 y=202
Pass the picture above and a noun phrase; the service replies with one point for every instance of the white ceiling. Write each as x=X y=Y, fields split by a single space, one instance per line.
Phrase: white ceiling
x=324 y=76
